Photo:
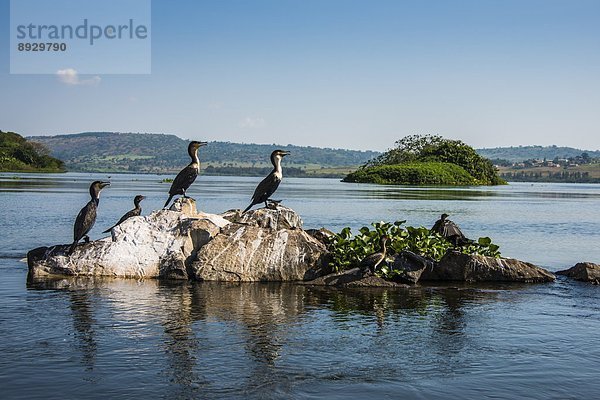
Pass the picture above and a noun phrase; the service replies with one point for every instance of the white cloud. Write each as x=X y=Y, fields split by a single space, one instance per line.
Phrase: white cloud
x=251 y=122
x=69 y=76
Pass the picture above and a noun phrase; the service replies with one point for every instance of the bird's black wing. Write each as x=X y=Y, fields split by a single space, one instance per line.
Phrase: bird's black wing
x=266 y=188
x=85 y=221
x=372 y=260
x=452 y=230
x=438 y=227
x=131 y=213
x=183 y=180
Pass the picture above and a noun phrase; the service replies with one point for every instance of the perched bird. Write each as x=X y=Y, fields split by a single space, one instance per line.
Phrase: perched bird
x=450 y=231
x=188 y=175
x=269 y=185
x=374 y=260
x=87 y=216
x=137 y=210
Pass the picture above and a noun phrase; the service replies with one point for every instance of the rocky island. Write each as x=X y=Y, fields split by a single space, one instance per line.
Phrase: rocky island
x=182 y=243
x=267 y=244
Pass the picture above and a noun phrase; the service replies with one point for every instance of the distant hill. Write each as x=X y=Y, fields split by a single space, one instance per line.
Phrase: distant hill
x=163 y=153
x=520 y=153
x=20 y=155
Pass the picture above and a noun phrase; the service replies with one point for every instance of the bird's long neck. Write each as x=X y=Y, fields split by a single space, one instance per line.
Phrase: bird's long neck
x=194 y=156
x=95 y=194
x=137 y=205
x=276 y=161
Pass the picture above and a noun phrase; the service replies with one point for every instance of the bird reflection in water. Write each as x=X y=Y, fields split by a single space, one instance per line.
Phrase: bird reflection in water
x=182 y=347
x=83 y=322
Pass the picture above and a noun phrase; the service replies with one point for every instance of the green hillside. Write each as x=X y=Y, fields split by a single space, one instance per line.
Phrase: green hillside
x=520 y=153
x=20 y=155
x=161 y=153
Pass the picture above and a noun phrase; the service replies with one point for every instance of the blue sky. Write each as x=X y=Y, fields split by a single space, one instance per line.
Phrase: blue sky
x=338 y=73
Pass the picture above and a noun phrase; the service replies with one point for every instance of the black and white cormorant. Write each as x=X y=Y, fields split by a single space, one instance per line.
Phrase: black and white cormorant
x=137 y=210
x=450 y=231
x=269 y=185
x=370 y=263
x=188 y=175
x=87 y=216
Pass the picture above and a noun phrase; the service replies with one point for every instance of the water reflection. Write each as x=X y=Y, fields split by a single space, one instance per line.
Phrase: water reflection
x=181 y=346
x=83 y=322
x=258 y=327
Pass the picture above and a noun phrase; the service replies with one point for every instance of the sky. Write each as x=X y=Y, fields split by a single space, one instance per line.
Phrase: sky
x=351 y=74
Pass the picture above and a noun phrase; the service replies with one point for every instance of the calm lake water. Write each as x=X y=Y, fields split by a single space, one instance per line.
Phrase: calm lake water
x=104 y=338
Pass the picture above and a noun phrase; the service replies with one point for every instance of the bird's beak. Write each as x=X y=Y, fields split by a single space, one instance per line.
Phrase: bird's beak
x=143 y=197
x=202 y=144
x=104 y=184
x=285 y=153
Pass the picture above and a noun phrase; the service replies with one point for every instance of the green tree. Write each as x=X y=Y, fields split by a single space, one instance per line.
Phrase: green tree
x=435 y=149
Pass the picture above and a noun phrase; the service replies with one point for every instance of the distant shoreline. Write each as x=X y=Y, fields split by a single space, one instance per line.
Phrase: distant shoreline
x=323 y=176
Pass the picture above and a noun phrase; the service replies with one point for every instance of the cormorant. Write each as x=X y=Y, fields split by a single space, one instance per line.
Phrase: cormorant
x=269 y=185
x=137 y=210
x=374 y=260
x=188 y=175
x=87 y=216
x=450 y=231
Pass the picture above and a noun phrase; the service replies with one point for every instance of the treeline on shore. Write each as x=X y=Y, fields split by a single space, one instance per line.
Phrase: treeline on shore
x=293 y=172
x=17 y=154
x=548 y=176
x=162 y=153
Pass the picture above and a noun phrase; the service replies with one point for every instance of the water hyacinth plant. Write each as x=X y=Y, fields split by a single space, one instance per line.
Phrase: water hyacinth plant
x=347 y=251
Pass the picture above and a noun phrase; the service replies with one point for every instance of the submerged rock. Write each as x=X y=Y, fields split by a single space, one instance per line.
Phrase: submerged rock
x=262 y=245
x=338 y=278
x=354 y=277
x=455 y=266
x=583 y=271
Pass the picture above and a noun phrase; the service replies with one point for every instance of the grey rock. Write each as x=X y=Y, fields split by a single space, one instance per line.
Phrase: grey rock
x=276 y=218
x=232 y=215
x=162 y=244
x=323 y=235
x=583 y=271
x=410 y=266
x=247 y=252
x=455 y=266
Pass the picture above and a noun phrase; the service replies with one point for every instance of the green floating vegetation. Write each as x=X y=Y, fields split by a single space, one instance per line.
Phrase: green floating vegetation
x=347 y=251
x=166 y=180
x=428 y=160
x=418 y=173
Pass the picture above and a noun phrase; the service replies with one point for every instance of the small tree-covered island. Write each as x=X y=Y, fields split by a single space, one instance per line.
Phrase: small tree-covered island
x=428 y=160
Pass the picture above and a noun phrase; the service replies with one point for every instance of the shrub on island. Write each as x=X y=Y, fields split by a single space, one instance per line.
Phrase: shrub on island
x=418 y=173
x=428 y=160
